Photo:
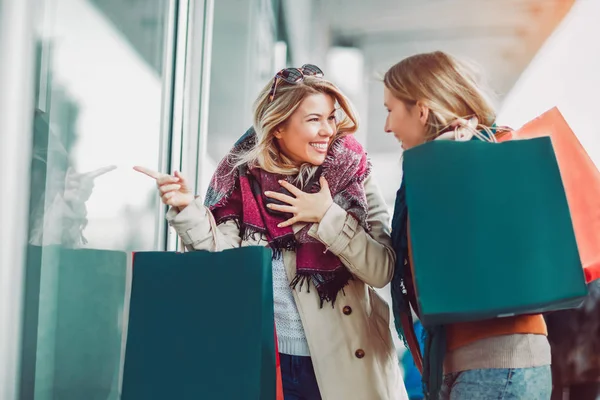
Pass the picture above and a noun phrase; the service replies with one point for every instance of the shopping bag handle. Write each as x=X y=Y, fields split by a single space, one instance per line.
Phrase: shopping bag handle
x=464 y=130
x=213 y=230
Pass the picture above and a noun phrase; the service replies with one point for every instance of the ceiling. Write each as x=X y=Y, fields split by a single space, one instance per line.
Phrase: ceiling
x=507 y=31
x=357 y=18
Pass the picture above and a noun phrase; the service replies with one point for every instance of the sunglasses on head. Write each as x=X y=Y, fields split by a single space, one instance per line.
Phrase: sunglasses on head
x=294 y=75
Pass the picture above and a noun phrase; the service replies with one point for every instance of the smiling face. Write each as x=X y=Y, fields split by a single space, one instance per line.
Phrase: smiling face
x=406 y=122
x=307 y=134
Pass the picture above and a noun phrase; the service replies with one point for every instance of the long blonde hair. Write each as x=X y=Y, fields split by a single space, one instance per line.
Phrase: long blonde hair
x=452 y=89
x=270 y=115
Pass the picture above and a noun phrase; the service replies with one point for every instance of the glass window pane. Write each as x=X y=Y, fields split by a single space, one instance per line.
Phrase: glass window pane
x=99 y=102
x=237 y=76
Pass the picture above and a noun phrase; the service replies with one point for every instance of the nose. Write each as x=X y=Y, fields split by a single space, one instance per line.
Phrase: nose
x=386 y=127
x=328 y=130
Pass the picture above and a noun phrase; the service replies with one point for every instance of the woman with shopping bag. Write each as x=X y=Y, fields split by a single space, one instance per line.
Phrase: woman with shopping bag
x=433 y=97
x=299 y=183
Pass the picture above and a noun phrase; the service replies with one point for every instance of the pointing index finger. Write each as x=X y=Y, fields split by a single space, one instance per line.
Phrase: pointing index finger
x=101 y=171
x=148 y=172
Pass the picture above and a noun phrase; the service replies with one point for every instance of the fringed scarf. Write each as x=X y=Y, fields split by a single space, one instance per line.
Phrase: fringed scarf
x=403 y=296
x=238 y=194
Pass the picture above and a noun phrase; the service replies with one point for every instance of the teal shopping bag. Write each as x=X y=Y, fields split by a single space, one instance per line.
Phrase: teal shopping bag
x=201 y=326
x=73 y=322
x=89 y=307
x=490 y=230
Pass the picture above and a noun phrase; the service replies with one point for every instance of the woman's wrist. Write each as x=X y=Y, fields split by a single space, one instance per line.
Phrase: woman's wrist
x=326 y=207
x=186 y=202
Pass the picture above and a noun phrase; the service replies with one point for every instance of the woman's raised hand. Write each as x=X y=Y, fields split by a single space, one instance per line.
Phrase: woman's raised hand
x=174 y=190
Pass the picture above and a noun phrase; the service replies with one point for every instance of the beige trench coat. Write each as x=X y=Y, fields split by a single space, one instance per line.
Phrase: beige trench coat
x=351 y=346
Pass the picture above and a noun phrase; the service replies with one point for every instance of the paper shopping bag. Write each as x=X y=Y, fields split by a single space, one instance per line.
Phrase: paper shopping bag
x=201 y=326
x=581 y=179
x=491 y=231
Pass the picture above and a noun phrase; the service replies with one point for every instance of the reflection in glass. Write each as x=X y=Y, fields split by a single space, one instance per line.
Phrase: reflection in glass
x=59 y=213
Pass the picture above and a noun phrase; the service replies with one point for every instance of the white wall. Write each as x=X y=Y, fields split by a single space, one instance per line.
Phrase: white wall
x=565 y=73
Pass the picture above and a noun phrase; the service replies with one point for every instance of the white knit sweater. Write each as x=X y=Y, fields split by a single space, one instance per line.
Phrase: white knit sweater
x=290 y=332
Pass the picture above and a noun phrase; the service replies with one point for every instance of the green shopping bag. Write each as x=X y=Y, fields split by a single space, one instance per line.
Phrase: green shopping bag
x=201 y=326
x=73 y=308
x=491 y=231
x=89 y=306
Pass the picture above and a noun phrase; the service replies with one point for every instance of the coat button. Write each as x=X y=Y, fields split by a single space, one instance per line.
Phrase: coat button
x=360 y=353
x=347 y=310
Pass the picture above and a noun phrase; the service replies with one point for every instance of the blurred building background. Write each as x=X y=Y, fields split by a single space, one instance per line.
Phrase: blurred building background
x=89 y=88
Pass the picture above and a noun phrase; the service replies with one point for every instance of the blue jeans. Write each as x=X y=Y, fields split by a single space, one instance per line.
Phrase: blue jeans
x=298 y=376
x=499 y=384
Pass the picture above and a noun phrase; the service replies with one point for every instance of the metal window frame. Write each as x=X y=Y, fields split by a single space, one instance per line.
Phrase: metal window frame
x=167 y=110
x=198 y=79
x=187 y=131
x=17 y=49
x=176 y=133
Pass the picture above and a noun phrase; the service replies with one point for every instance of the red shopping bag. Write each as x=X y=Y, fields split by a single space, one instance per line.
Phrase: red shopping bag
x=581 y=180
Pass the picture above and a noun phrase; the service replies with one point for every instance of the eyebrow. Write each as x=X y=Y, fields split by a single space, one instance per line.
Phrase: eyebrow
x=320 y=115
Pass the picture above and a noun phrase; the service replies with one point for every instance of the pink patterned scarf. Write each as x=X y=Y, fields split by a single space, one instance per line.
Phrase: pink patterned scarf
x=239 y=195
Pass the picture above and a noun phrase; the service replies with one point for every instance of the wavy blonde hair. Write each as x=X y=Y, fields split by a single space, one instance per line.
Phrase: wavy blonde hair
x=271 y=115
x=452 y=89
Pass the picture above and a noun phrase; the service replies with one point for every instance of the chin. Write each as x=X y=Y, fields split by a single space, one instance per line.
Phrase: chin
x=313 y=158
x=317 y=161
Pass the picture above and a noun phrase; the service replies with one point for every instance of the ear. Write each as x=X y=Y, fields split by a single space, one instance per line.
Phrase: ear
x=277 y=133
x=423 y=113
